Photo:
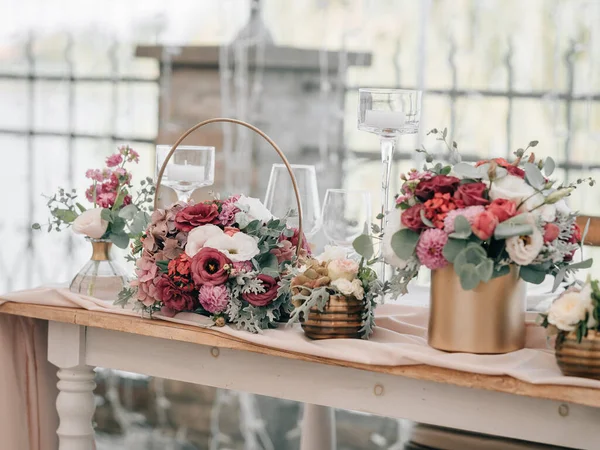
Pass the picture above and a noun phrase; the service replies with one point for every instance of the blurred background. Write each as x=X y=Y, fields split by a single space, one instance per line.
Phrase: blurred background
x=78 y=78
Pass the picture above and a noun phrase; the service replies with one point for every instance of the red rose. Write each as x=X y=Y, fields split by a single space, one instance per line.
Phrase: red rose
x=193 y=216
x=264 y=298
x=411 y=218
x=472 y=194
x=173 y=296
x=576 y=236
x=208 y=267
x=551 y=232
x=503 y=209
x=484 y=225
x=443 y=184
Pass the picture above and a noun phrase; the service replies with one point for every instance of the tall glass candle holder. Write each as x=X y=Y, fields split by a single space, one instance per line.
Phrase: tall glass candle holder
x=388 y=113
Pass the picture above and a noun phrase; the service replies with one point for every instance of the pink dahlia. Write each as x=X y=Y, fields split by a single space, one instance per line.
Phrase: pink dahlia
x=430 y=246
x=214 y=298
x=469 y=213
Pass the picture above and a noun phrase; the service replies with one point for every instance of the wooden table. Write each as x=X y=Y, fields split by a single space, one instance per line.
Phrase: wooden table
x=80 y=340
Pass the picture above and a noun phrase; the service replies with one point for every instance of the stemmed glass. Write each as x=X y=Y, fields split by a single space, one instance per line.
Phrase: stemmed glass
x=190 y=168
x=281 y=200
x=388 y=113
x=346 y=215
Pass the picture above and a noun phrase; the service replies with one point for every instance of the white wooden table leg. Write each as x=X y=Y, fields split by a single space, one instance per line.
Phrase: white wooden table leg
x=75 y=403
x=318 y=428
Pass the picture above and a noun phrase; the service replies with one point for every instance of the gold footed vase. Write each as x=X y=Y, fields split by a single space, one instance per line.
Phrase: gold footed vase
x=340 y=319
x=490 y=319
x=579 y=359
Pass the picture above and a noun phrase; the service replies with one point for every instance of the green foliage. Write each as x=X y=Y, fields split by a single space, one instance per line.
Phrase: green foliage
x=163 y=266
x=462 y=228
x=404 y=243
x=453 y=247
x=425 y=220
x=121 y=240
x=473 y=266
x=124 y=296
x=363 y=245
x=549 y=166
x=532 y=274
x=533 y=176
x=505 y=230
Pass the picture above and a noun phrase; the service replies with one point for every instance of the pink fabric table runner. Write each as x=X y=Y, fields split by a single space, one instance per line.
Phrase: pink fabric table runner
x=400 y=339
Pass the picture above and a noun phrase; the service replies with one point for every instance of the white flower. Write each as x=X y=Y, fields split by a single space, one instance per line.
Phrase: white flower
x=342 y=268
x=567 y=311
x=198 y=237
x=511 y=187
x=332 y=252
x=254 y=208
x=90 y=223
x=239 y=247
x=349 y=287
x=358 y=290
x=524 y=249
x=546 y=212
x=562 y=207
x=393 y=225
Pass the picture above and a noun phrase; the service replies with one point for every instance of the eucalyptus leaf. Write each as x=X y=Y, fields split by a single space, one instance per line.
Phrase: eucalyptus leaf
x=533 y=176
x=66 y=215
x=425 y=220
x=36 y=226
x=462 y=225
x=549 y=166
x=483 y=171
x=500 y=271
x=404 y=243
x=452 y=248
x=121 y=240
x=586 y=264
x=118 y=225
x=80 y=206
x=469 y=279
x=464 y=170
x=531 y=275
x=106 y=214
x=139 y=223
x=505 y=231
x=485 y=270
x=128 y=212
x=559 y=277
x=363 y=245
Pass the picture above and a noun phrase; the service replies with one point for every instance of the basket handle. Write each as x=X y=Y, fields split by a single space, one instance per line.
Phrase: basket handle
x=260 y=133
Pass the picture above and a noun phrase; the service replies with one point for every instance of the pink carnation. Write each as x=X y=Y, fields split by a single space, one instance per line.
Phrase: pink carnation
x=214 y=298
x=469 y=213
x=242 y=266
x=114 y=160
x=106 y=199
x=430 y=246
x=227 y=214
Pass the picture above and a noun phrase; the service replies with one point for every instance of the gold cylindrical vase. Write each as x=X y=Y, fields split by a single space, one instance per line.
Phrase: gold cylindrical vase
x=579 y=359
x=486 y=320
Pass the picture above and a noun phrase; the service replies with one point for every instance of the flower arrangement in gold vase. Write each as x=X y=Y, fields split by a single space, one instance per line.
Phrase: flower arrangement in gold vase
x=574 y=318
x=483 y=229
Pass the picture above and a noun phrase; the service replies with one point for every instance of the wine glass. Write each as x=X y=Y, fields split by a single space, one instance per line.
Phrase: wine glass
x=388 y=113
x=190 y=168
x=281 y=200
x=346 y=215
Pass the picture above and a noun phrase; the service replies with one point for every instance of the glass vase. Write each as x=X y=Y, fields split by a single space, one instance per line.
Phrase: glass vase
x=101 y=277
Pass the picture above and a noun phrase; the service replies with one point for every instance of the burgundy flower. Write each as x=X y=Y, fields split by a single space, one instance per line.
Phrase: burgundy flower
x=208 y=267
x=193 y=216
x=411 y=218
x=574 y=239
x=443 y=184
x=264 y=298
x=173 y=296
x=472 y=194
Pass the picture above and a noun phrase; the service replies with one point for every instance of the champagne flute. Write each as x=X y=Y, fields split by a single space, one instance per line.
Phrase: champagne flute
x=281 y=200
x=190 y=168
x=346 y=215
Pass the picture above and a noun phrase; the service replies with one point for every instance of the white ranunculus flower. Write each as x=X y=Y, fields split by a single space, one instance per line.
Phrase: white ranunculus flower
x=567 y=311
x=90 y=223
x=358 y=290
x=343 y=285
x=342 y=268
x=524 y=249
x=239 y=247
x=393 y=225
x=254 y=208
x=511 y=187
x=332 y=252
x=198 y=237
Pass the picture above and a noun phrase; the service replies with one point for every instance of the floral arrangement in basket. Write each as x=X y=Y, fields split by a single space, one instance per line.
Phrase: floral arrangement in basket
x=482 y=218
x=222 y=258
x=329 y=274
x=576 y=310
x=115 y=215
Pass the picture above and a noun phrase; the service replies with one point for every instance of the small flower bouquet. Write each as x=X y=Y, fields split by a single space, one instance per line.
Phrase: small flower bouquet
x=483 y=218
x=115 y=216
x=331 y=277
x=574 y=318
x=220 y=258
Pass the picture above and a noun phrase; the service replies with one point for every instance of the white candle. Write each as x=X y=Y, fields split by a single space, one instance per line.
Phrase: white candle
x=383 y=120
x=179 y=172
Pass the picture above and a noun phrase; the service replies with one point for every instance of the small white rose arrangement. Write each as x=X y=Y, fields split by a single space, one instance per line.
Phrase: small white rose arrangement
x=577 y=310
x=332 y=273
